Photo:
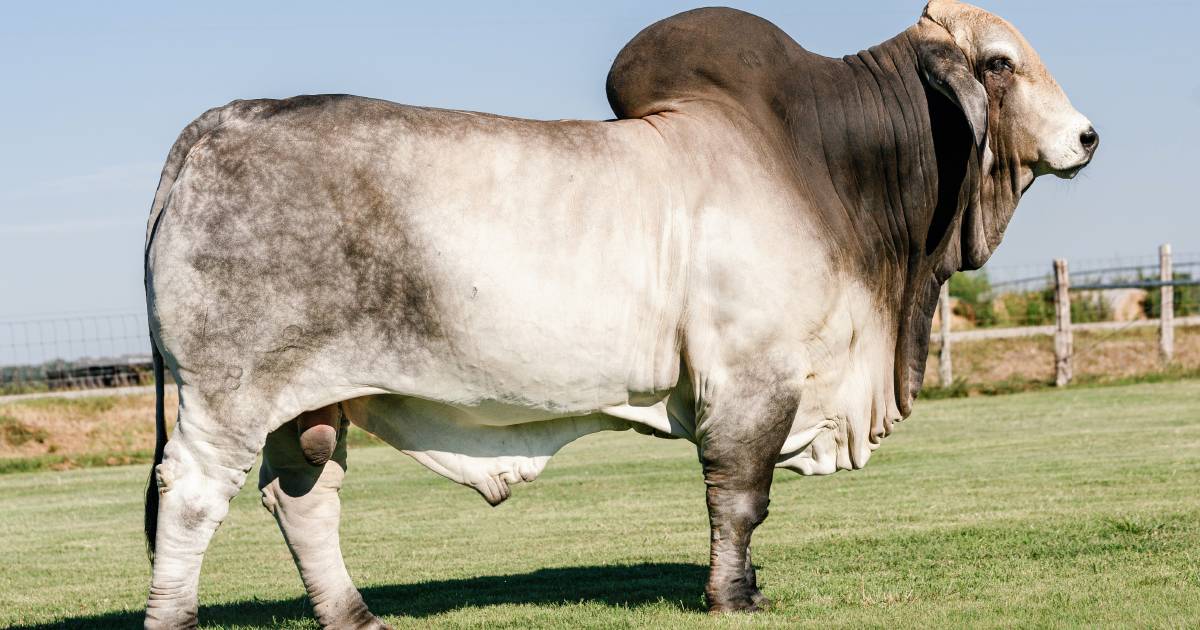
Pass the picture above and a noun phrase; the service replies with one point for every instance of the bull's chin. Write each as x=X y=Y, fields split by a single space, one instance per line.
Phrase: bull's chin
x=1068 y=172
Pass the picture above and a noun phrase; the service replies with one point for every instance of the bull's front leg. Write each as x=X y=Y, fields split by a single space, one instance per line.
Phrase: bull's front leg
x=740 y=443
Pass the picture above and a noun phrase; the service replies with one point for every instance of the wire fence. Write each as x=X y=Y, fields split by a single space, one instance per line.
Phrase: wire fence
x=1124 y=289
x=74 y=352
x=1129 y=318
x=1016 y=277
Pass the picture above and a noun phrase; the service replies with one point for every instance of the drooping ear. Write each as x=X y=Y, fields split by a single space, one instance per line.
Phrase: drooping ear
x=946 y=70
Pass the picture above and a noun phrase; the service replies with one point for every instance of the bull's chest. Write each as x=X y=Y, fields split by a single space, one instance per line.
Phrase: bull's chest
x=848 y=403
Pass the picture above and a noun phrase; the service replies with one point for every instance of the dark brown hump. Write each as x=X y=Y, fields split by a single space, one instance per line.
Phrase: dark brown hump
x=704 y=54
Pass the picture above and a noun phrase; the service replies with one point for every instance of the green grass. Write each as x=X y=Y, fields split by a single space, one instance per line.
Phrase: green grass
x=1048 y=509
x=89 y=404
x=962 y=388
x=11 y=465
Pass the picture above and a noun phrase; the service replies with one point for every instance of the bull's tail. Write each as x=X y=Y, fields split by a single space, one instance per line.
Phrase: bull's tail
x=176 y=159
x=160 y=443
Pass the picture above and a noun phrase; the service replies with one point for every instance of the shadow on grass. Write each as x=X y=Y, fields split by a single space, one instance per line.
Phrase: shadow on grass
x=679 y=585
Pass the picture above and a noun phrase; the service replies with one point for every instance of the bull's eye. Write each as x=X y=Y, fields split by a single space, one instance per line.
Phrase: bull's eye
x=1000 y=64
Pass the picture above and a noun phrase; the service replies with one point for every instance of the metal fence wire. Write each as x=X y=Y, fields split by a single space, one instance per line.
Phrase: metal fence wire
x=1119 y=319
x=1126 y=289
x=74 y=352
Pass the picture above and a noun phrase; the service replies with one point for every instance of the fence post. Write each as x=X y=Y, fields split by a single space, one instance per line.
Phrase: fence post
x=945 y=372
x=1166 y=318
x=1062 y=320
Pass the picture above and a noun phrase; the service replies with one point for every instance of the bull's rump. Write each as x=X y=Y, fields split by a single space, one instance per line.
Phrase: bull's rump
x=346 y=242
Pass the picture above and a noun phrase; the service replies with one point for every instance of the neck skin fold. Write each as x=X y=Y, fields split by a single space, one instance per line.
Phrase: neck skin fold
x=899 y=159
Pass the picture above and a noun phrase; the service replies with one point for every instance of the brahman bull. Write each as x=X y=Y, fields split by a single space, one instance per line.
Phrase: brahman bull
x=747 y=258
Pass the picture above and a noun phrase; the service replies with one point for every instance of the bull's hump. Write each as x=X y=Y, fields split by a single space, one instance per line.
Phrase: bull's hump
x=704 y=54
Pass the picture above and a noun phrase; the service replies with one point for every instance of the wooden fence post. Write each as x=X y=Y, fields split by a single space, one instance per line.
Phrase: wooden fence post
x=945 y=371
x=1062 y=320
x=1166 y=318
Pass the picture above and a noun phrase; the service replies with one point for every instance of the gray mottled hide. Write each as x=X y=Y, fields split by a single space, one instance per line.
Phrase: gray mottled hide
x=747 y=258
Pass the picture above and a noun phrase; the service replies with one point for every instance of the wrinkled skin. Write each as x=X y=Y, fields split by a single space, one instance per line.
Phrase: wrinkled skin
x=748 y=258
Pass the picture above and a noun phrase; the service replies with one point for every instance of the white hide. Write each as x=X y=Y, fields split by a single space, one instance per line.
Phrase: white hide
x=551 y=338
x=847 y=407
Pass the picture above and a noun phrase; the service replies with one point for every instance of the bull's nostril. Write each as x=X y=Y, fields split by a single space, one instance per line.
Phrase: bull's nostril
x=1089 y=138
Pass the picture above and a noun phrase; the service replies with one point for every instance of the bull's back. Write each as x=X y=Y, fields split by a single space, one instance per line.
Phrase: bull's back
x=450 y=255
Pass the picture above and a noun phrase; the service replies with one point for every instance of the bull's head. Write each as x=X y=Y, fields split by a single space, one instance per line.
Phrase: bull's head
x=1023 y=124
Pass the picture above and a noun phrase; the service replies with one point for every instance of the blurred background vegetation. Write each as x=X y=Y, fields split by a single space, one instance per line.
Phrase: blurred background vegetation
x=981 y=305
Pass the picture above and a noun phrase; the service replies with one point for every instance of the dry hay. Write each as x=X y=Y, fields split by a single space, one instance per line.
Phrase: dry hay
x=120 y=426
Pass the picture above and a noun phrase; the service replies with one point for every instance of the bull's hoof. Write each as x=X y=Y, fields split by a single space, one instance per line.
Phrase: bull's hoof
x=740 y=608
x=761 y=601
x=375 y=623
x=170 y=620
x=751 y=601
x=348 y=612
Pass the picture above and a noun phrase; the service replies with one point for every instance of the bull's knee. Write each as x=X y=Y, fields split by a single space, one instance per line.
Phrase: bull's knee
x=318 y=431
x=193 y=496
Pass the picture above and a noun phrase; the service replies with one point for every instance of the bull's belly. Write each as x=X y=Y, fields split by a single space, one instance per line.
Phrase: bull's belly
x=462 y=445
x=847 y=407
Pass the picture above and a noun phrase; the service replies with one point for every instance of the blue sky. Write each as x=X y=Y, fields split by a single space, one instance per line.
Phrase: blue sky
x=95 y=93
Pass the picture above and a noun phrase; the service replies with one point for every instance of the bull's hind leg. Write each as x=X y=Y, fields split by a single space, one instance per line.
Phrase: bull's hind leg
x=203 y=467
x=301 y=489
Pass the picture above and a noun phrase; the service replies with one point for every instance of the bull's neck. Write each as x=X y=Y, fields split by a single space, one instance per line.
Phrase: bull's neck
x=870 y=114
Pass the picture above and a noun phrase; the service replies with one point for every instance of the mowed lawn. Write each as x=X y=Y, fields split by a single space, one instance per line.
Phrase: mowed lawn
x=1072 y=508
